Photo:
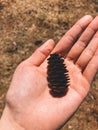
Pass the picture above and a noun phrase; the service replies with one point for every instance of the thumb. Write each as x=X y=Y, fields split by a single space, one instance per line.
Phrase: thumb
x=38 y=57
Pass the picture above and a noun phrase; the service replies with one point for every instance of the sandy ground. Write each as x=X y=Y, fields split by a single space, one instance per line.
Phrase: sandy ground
x=25 y=25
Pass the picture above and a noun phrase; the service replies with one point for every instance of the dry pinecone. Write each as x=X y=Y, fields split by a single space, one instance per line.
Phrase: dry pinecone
x=58 y=78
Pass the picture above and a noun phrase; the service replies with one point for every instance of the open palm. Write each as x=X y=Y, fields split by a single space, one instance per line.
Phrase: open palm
x=29 y=99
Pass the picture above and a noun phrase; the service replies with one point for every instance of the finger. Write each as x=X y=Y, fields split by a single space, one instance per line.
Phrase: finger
x=92 y=68
x=41 y=53
x=88 y=53
x=83 y=40
x=70 y=37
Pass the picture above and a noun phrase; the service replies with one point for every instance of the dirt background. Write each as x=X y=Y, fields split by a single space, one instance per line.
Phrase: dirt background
x=25 y=25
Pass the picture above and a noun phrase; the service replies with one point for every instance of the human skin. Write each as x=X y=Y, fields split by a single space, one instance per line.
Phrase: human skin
x=29 y=105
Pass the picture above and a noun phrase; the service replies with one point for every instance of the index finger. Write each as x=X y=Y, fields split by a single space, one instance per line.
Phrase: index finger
x=67 y=41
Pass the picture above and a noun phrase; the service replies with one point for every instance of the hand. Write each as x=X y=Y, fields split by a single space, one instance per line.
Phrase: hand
x=28 y=99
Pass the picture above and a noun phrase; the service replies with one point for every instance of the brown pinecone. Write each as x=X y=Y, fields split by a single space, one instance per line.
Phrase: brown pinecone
x=58 y=78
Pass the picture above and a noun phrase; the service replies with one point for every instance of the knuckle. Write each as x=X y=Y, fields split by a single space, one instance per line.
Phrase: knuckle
x=80 y=26
x=69 y=37
x=40 y=52
x=89 y=52
x=81 y=44
x=92 y=29
x=44 y=52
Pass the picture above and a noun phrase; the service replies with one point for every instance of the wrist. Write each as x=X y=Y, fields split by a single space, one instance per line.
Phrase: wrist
x=7 y=122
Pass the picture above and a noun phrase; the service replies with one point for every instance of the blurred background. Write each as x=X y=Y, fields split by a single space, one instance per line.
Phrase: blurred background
x=27 y=24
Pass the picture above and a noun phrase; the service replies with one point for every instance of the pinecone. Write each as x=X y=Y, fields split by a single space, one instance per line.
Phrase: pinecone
x=58 y=78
